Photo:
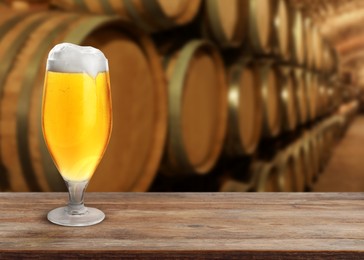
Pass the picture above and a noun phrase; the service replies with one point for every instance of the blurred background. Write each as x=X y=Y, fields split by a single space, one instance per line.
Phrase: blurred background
x=208 y=95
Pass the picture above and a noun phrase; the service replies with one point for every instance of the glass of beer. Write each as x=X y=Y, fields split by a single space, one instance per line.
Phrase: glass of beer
x=76 y=123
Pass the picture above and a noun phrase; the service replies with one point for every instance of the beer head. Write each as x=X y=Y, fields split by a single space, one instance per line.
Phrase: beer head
x=71 y=58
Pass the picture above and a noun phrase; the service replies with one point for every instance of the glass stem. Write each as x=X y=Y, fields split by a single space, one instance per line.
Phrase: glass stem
x=76 y=192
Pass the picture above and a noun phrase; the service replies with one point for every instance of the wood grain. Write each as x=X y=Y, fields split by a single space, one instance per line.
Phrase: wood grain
x=189 y=225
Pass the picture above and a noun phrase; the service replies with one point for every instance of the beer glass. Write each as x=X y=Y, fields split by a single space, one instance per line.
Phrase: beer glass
x=76 y=124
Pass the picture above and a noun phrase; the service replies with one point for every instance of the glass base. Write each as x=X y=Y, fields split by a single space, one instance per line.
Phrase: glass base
x=61 y=216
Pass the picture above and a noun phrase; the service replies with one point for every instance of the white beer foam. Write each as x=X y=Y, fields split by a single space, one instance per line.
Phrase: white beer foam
x=72 y=58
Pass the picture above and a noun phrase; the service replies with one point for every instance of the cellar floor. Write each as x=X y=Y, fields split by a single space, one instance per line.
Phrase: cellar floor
x=345 y=170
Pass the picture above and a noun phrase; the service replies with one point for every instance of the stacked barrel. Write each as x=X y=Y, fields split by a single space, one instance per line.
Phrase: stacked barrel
x=198 y=87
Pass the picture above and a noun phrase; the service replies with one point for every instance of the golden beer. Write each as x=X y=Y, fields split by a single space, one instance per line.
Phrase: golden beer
x=76 y=121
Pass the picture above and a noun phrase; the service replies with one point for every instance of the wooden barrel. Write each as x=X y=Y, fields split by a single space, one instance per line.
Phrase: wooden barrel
x=7 y=21
x=309 y=162
x=267 y=177
x=149 y=15
x=14 y=34
x=245 y=109
x=301 y=169
x=276 y=175
x=337 y=128
x=287 y=170
x=297 y=36
x=311 y=82
x=232 y=185
x=139 y=103
x=341 y=128
x=331 y=97
x=110 y=7
x=287 y=99
x=281 y=30
x=336 y=95
x=326 y=133
x=328 y=59
x=320 y=146
x=308 y=43
x=197 y=114
x=335 y=62
x=322 y=100
x=260 y=25
x=315 y=153
x=232 y=23
x=328 y=144
x=270 y=92
x=334 y=127
x=347 y=113
x=317 y=47
x=300 y=95
x=226 y=21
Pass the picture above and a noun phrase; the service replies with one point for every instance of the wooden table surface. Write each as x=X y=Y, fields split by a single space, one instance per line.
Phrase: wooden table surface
x=186 y=225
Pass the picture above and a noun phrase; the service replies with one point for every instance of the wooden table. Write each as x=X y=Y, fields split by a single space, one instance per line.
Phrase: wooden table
x=189 y=225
